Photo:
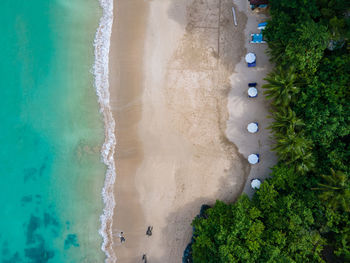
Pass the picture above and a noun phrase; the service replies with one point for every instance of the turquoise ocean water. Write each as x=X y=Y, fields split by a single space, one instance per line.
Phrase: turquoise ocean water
x=51 y=132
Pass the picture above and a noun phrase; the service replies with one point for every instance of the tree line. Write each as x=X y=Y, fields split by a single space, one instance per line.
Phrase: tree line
x=301 y=213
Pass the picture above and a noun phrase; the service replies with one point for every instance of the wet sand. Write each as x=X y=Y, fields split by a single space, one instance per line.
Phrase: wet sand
x=170 y=69
x=126 y=87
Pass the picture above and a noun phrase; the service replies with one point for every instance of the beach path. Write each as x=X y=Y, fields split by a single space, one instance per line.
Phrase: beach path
x=244 y=110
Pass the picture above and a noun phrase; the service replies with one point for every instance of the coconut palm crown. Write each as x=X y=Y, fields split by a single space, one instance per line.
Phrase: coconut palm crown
x=335 y=190
x=281 y=86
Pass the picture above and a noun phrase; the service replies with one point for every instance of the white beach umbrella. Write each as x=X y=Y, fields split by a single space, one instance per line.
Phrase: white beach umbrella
x=250 y=57
x=253 y=127
x=255 y=183
x=252 y=92
x=253 y=158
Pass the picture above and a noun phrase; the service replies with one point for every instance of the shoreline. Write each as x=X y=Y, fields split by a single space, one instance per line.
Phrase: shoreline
x=101 y=82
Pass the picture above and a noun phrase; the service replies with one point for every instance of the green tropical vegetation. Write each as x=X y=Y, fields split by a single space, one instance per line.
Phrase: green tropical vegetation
x=302 y=212
x=335 y=190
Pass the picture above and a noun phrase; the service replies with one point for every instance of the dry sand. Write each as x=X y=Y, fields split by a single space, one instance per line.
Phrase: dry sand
x=171 y=62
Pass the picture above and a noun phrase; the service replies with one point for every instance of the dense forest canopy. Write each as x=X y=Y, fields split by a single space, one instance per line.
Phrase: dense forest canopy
x=301 y=213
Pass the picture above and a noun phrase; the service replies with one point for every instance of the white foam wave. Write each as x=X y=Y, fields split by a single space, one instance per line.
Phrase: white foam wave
x=101 y=73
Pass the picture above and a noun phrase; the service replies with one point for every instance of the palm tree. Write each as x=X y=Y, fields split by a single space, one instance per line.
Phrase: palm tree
x=305 y=164
x=335 y=190
x=290 y=146
x=294 y=149
x=276 y=51
x=281 y=86
x=285 y=119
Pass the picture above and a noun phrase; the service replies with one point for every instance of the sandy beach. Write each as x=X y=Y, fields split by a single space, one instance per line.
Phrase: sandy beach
x=174 y=66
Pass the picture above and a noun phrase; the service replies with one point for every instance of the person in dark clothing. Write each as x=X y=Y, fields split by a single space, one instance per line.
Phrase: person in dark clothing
x=122 y=238
x=149 y=231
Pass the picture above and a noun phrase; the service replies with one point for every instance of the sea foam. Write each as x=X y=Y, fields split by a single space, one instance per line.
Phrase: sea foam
x=101 y=73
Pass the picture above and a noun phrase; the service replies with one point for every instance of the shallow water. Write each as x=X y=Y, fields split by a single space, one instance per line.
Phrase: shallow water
x=50 y=133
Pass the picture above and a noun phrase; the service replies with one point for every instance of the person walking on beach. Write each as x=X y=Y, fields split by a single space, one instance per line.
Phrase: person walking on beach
x=149 y=231
x=122 y=238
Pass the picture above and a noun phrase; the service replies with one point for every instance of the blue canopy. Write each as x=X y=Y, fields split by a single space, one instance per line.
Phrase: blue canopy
x=257 y=38
x=261 y=26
